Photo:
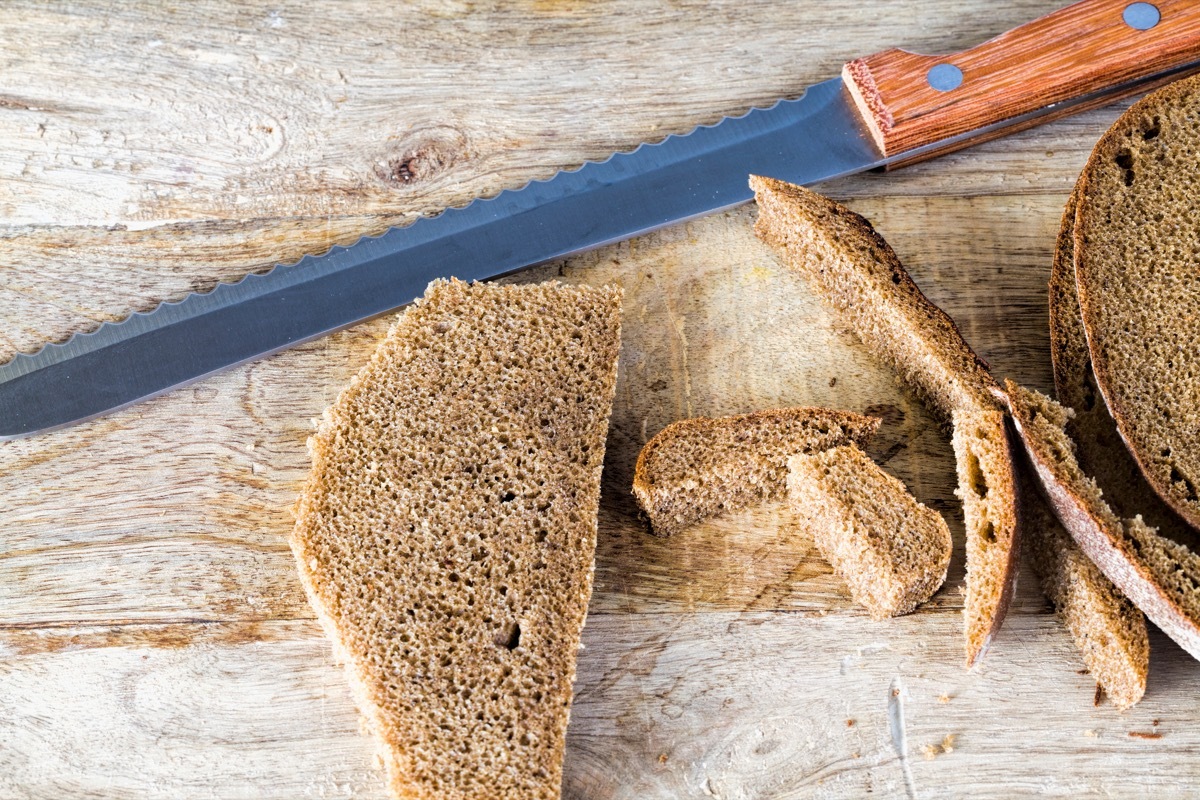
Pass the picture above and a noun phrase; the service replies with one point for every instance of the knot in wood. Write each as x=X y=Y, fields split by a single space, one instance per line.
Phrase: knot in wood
x=421 y=156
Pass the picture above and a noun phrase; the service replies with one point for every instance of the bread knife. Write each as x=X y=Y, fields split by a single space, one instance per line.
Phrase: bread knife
x=885 y=110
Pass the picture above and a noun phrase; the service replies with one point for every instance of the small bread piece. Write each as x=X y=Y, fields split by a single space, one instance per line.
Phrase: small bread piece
x=697 y=468
x=1136 y=235
x=858 y=275
x=891 y=551
x=984 y=459
x=445 y=536
x=1107 y=629
x=1161 y=577
x=1100 y=450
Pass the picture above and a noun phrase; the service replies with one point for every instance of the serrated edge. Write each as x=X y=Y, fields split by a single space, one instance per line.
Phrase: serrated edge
x=77 y=338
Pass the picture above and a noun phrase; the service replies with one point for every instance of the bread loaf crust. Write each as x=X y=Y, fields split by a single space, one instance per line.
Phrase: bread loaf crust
x=1160 y=577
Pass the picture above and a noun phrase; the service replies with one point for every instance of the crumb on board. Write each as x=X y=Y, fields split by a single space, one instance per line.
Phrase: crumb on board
x=1145 y=735
x=1091 y=734
x=1154 y=722
x=849 y=723
x=662 y=758
x=1083 y=671
x=1099 y=695
x=943 y=699
x=856 y=754
x=932 y=751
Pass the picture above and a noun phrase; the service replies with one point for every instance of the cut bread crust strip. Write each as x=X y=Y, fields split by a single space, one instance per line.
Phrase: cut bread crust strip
x=857 y=274
x=698 y=468
x=1160 y=577
x=984 y=450
x=1108 y=630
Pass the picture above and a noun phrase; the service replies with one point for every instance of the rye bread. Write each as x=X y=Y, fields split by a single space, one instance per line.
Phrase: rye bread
x=1160 y=577
x=446 y=533
x=891 y=551
x=698 y=468
x=1108 y=630
x=1136 y=240
x=858 y=275
x=1099 y=448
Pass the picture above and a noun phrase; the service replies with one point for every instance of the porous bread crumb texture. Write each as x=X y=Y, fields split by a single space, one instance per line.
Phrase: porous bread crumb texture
x=891 y=551
x=983 y=458
x=858 y=275
x=1099 y=448
x=1107 y=629
x=446 y=533
x=1136 y=242
x=698 y=468
x=1160 y=577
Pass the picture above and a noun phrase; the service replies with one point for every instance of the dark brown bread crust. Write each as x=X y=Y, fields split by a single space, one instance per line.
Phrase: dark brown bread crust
x=961 y=378
x=1135 y=230
x=697 y=468
x=1159 y=576
x=856 y=273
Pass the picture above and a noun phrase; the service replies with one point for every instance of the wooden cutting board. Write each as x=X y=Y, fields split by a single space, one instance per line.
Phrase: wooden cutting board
x=154 y=641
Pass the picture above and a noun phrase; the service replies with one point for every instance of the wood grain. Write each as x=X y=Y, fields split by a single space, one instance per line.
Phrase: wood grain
x=154 y=641
x=1083 y=49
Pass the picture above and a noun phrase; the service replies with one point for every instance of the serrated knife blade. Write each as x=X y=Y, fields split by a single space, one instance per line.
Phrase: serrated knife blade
x=628 y=194
x=892 y=107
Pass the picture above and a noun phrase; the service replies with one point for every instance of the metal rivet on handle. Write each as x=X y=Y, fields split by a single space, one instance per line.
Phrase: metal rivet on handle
x=1141 y=16
x=944 y=77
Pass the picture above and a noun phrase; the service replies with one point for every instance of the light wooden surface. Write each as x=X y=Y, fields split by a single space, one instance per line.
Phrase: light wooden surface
x=154 y=641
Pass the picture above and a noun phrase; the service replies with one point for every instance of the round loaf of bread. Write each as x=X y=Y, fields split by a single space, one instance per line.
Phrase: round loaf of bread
x=1137 y=270
x=1100 y=451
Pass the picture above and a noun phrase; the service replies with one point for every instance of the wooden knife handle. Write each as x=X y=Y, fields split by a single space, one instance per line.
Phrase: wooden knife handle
x=1095 y=49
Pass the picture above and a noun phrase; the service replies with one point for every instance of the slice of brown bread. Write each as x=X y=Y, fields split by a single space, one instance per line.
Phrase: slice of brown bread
x=1100 y=450
x=984 y=457
x=891 y=551
x=857 y=274
x=1161 y=577
x=1136 y=239
x=697 y=468
x=1107 y=629
x=445 y=536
